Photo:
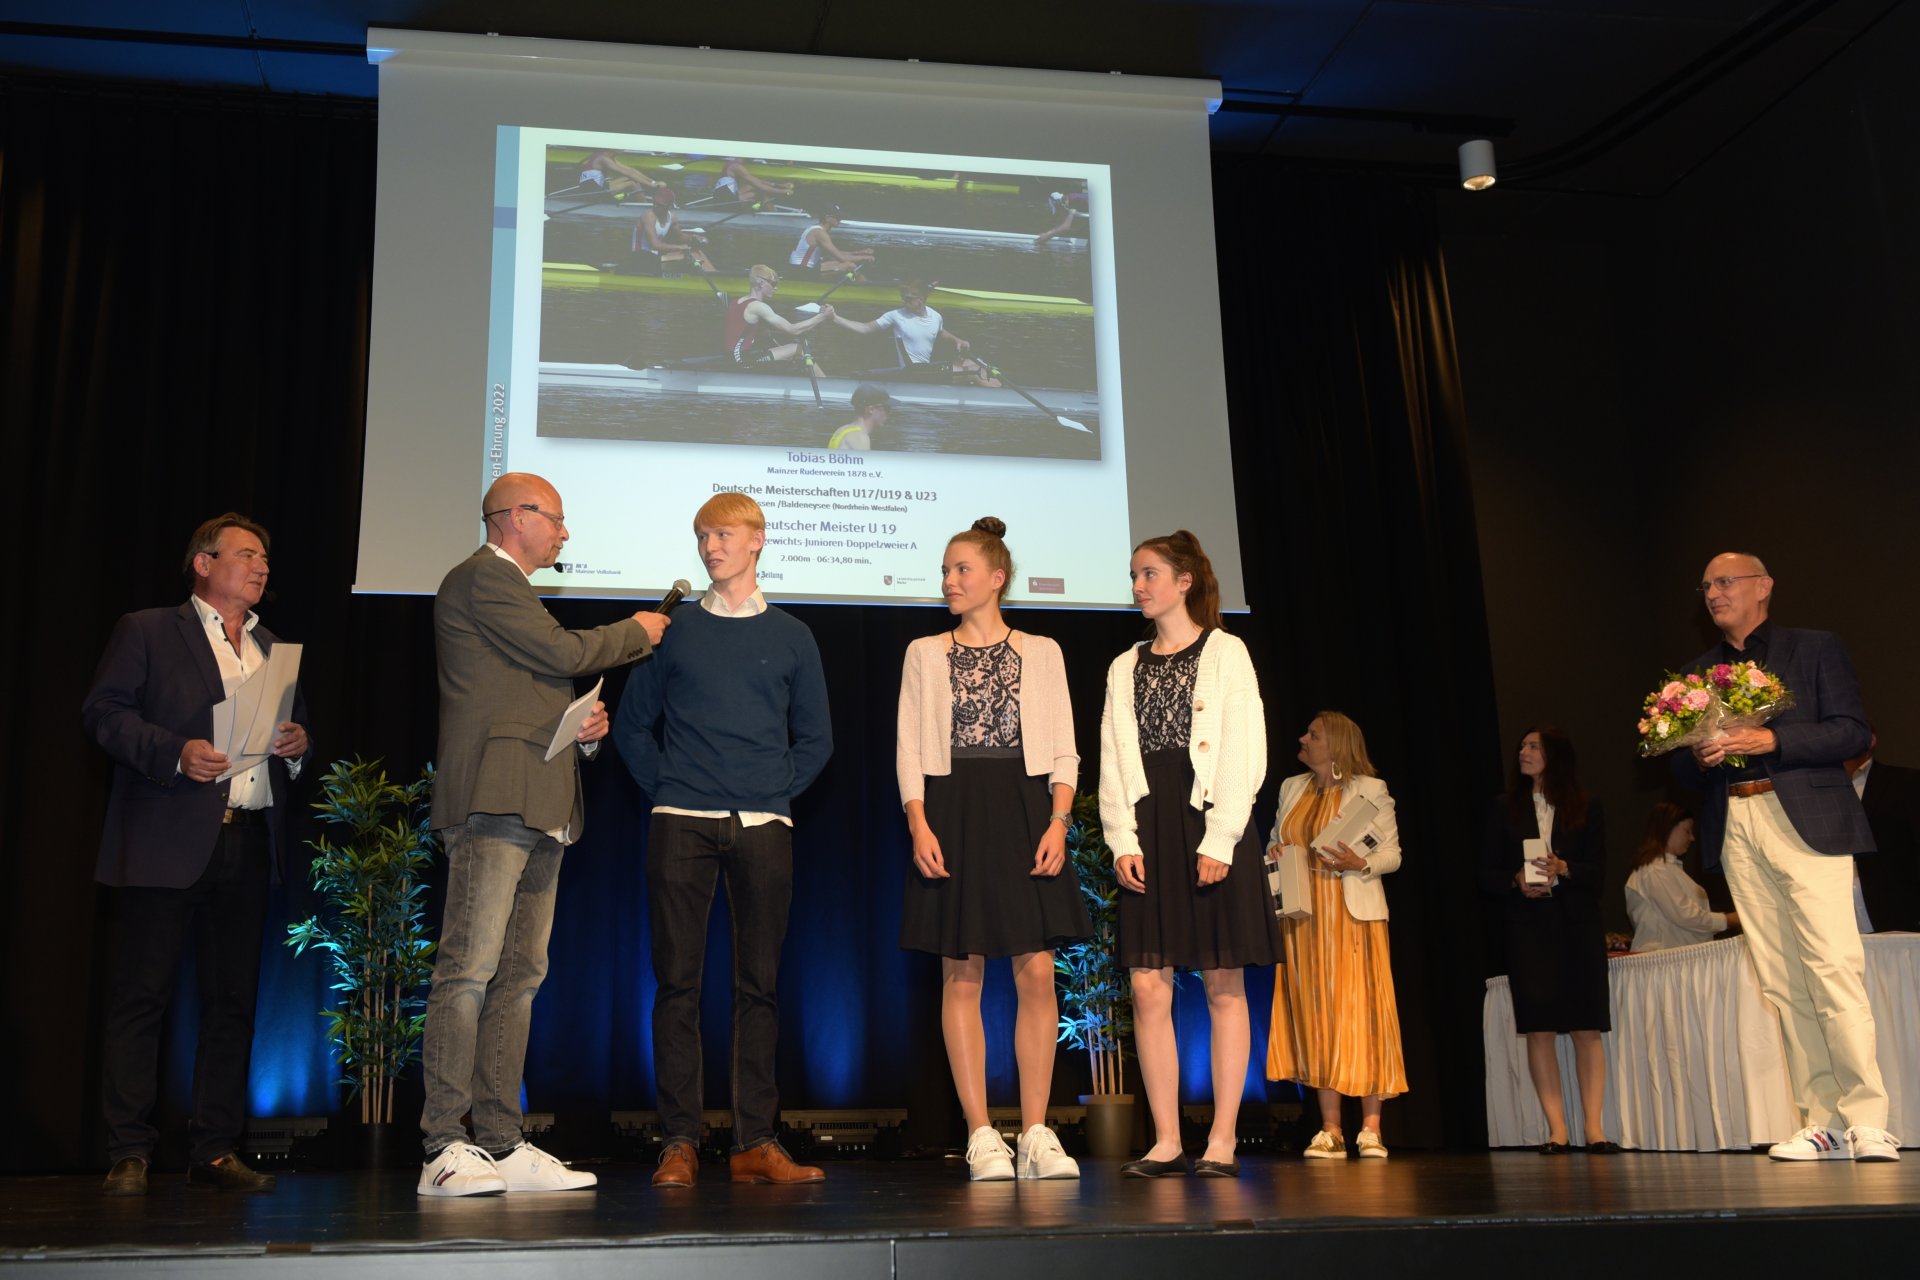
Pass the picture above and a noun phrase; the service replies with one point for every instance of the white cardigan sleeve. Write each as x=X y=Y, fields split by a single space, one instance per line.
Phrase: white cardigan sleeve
x=1242 y=762
x=908 y=766
x=1384 y=858
x=1064 y=768
x=1116 y=814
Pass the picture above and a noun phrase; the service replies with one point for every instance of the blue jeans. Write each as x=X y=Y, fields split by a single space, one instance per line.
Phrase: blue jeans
x=685 y=859
x=501 y=880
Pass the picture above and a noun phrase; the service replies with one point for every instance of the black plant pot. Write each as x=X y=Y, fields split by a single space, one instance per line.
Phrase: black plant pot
x=379 y=1146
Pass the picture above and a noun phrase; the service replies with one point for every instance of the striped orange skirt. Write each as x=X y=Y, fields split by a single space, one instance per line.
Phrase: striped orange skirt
x=1335 y=1025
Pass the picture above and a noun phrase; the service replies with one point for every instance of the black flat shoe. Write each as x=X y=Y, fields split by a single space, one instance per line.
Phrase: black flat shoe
x=1145 y=1168
x=1216 y=1168
x=1554 y=1148
x=1604 y=1148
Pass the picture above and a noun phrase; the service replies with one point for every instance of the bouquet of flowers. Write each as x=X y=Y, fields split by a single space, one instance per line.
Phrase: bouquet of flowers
x=1702 y=706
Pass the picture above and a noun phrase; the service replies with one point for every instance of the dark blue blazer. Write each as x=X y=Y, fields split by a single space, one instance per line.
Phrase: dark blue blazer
x=1826 y=725
x=155 y=689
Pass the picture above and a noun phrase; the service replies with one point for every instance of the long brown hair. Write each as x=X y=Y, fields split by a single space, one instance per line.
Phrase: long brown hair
x=1347 y=745
x=1184 y=554
x=1660 y=824
x=1559 y=781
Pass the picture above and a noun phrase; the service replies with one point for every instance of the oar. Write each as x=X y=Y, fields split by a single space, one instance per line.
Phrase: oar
x=813 y=372
x=987 y=367
x=809 y=308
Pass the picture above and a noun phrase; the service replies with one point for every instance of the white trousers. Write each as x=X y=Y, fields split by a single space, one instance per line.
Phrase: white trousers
x=1796 y=911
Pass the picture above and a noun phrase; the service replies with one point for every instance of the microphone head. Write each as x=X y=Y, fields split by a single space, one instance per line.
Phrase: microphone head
x=684 y=587
x=561 y=566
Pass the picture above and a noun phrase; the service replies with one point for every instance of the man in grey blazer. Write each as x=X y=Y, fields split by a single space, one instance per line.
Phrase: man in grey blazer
x=506 y=814
x=1779 y=811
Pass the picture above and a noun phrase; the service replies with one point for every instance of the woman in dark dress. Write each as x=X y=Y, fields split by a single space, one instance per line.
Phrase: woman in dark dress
x=986 y=764
x=1556 y=941
x=1183 y=752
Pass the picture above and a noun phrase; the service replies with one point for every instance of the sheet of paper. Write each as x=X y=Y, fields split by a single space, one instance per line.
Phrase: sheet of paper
x=257 y=709
x=576 y=715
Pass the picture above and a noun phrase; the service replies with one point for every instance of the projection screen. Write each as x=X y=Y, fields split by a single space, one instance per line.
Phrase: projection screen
x=883 y=298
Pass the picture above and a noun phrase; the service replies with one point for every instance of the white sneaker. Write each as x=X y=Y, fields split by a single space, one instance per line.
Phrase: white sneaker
x=1371 y=1148
x=989 y=1158
x=528 y=1168
x=1869 y=1143
x=1041 y=1157
x=1811 y=1143
x=1328 y=1146
x=461 y=1170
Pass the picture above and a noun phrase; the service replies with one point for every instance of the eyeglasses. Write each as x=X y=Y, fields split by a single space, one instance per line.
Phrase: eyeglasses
x=559 y=521
x=245 y=556
x=1726 y=583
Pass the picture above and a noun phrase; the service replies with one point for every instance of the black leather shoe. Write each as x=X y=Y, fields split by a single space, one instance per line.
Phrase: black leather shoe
x=229 y=1173
x=1604 y=1148
x=1554 y=1148
x=128 y=1177
x=1216 y=1168
x=1145 y=1168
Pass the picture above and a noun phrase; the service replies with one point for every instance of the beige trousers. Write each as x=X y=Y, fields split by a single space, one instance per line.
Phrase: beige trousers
x=1796 y=911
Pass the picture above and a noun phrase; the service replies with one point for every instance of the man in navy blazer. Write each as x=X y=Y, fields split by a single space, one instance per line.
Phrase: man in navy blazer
x=188 y=857
x=1785 y=823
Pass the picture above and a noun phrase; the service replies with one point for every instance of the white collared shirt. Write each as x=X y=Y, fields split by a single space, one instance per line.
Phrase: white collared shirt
x=753 y=606
x=252 y=789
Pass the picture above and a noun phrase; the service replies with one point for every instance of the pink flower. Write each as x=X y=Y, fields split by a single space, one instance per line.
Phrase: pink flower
x=1758 y=678
x=1643 y=726
x=1698 y=699
x=1672 y=689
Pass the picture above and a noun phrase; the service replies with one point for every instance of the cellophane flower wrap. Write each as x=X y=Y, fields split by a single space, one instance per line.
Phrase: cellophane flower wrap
x=1689 y=709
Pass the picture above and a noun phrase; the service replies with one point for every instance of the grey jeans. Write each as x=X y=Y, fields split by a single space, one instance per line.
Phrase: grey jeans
x=501 y=879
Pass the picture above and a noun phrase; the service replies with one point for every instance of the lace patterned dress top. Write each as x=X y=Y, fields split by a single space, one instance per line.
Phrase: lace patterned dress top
x=1163 y=696
x=986 y=694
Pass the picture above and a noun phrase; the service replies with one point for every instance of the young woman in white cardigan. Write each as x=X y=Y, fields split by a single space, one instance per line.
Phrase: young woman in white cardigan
x=1183 y=750
x=987 y=764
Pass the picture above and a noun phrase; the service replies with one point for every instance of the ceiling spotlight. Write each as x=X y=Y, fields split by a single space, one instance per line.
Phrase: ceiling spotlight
x=1476 y=165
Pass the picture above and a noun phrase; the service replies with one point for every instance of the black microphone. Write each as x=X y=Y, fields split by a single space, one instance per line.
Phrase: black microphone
x=674 y=596
x=561 y=566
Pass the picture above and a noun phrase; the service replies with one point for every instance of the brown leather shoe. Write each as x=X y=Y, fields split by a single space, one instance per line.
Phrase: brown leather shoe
x=128 y=1177
x=679 y=1166
x=769 y=1162
x=229 y=1173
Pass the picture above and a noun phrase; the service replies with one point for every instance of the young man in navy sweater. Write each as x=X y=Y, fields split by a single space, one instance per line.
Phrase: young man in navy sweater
x=721 y=732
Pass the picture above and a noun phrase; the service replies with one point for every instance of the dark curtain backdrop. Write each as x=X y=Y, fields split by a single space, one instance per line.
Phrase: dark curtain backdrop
x=184 y=291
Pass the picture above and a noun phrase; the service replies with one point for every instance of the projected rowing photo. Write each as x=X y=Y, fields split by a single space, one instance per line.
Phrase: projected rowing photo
x=725 y=293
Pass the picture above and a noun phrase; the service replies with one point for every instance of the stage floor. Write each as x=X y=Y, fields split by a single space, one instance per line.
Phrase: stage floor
x=1419 y=1213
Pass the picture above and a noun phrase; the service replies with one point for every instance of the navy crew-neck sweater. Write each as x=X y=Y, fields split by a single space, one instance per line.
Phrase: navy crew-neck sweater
x=728 y=713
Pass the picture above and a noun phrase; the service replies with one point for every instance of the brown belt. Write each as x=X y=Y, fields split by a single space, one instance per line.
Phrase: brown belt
x=1747 y=790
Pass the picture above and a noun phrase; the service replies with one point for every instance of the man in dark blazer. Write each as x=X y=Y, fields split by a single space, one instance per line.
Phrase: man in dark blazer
x=188 y=856
x=1890 y=878
x=506 y=813
x=1780 y=814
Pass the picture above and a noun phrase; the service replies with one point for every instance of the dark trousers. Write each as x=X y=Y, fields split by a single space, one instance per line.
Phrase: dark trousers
x=686 y=857
x=222 y=916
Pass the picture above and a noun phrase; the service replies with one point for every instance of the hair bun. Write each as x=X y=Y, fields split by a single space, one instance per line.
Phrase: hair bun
x=991 y=525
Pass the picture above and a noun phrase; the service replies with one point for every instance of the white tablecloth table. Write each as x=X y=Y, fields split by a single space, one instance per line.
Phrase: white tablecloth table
x=1694 y=1060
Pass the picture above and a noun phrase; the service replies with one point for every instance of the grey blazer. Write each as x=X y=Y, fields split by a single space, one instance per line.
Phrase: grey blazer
x=506 y=676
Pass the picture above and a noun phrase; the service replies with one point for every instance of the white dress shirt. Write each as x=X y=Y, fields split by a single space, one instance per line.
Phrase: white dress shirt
x=252 y=789
x=1667 y=908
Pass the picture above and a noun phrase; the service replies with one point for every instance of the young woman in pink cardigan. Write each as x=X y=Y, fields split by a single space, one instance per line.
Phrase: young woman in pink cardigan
x=987 y=765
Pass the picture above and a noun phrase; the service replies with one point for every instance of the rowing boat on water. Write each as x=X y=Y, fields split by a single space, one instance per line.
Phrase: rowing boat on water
x=794 y=221
x=573 y=157
x=581 y=275
x=725 y=380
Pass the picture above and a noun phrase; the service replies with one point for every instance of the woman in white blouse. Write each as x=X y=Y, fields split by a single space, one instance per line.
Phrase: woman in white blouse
x=986 y=764
x=1667 y=908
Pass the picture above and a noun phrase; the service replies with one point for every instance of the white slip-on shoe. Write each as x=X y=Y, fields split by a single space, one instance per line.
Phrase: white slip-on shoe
x=1326 y=1146
x=1811 y=1143
x=461 y=1169
x=528 y=1168
x=1370 y=1146
x=1872 y=1145
x=1041 y=1157
x=989 y=1159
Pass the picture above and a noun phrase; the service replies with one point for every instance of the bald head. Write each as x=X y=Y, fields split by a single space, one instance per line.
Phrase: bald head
x=1737 y=590
x=525 y=519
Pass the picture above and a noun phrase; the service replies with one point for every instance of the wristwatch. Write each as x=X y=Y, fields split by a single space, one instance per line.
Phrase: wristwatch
x=1064 y=819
